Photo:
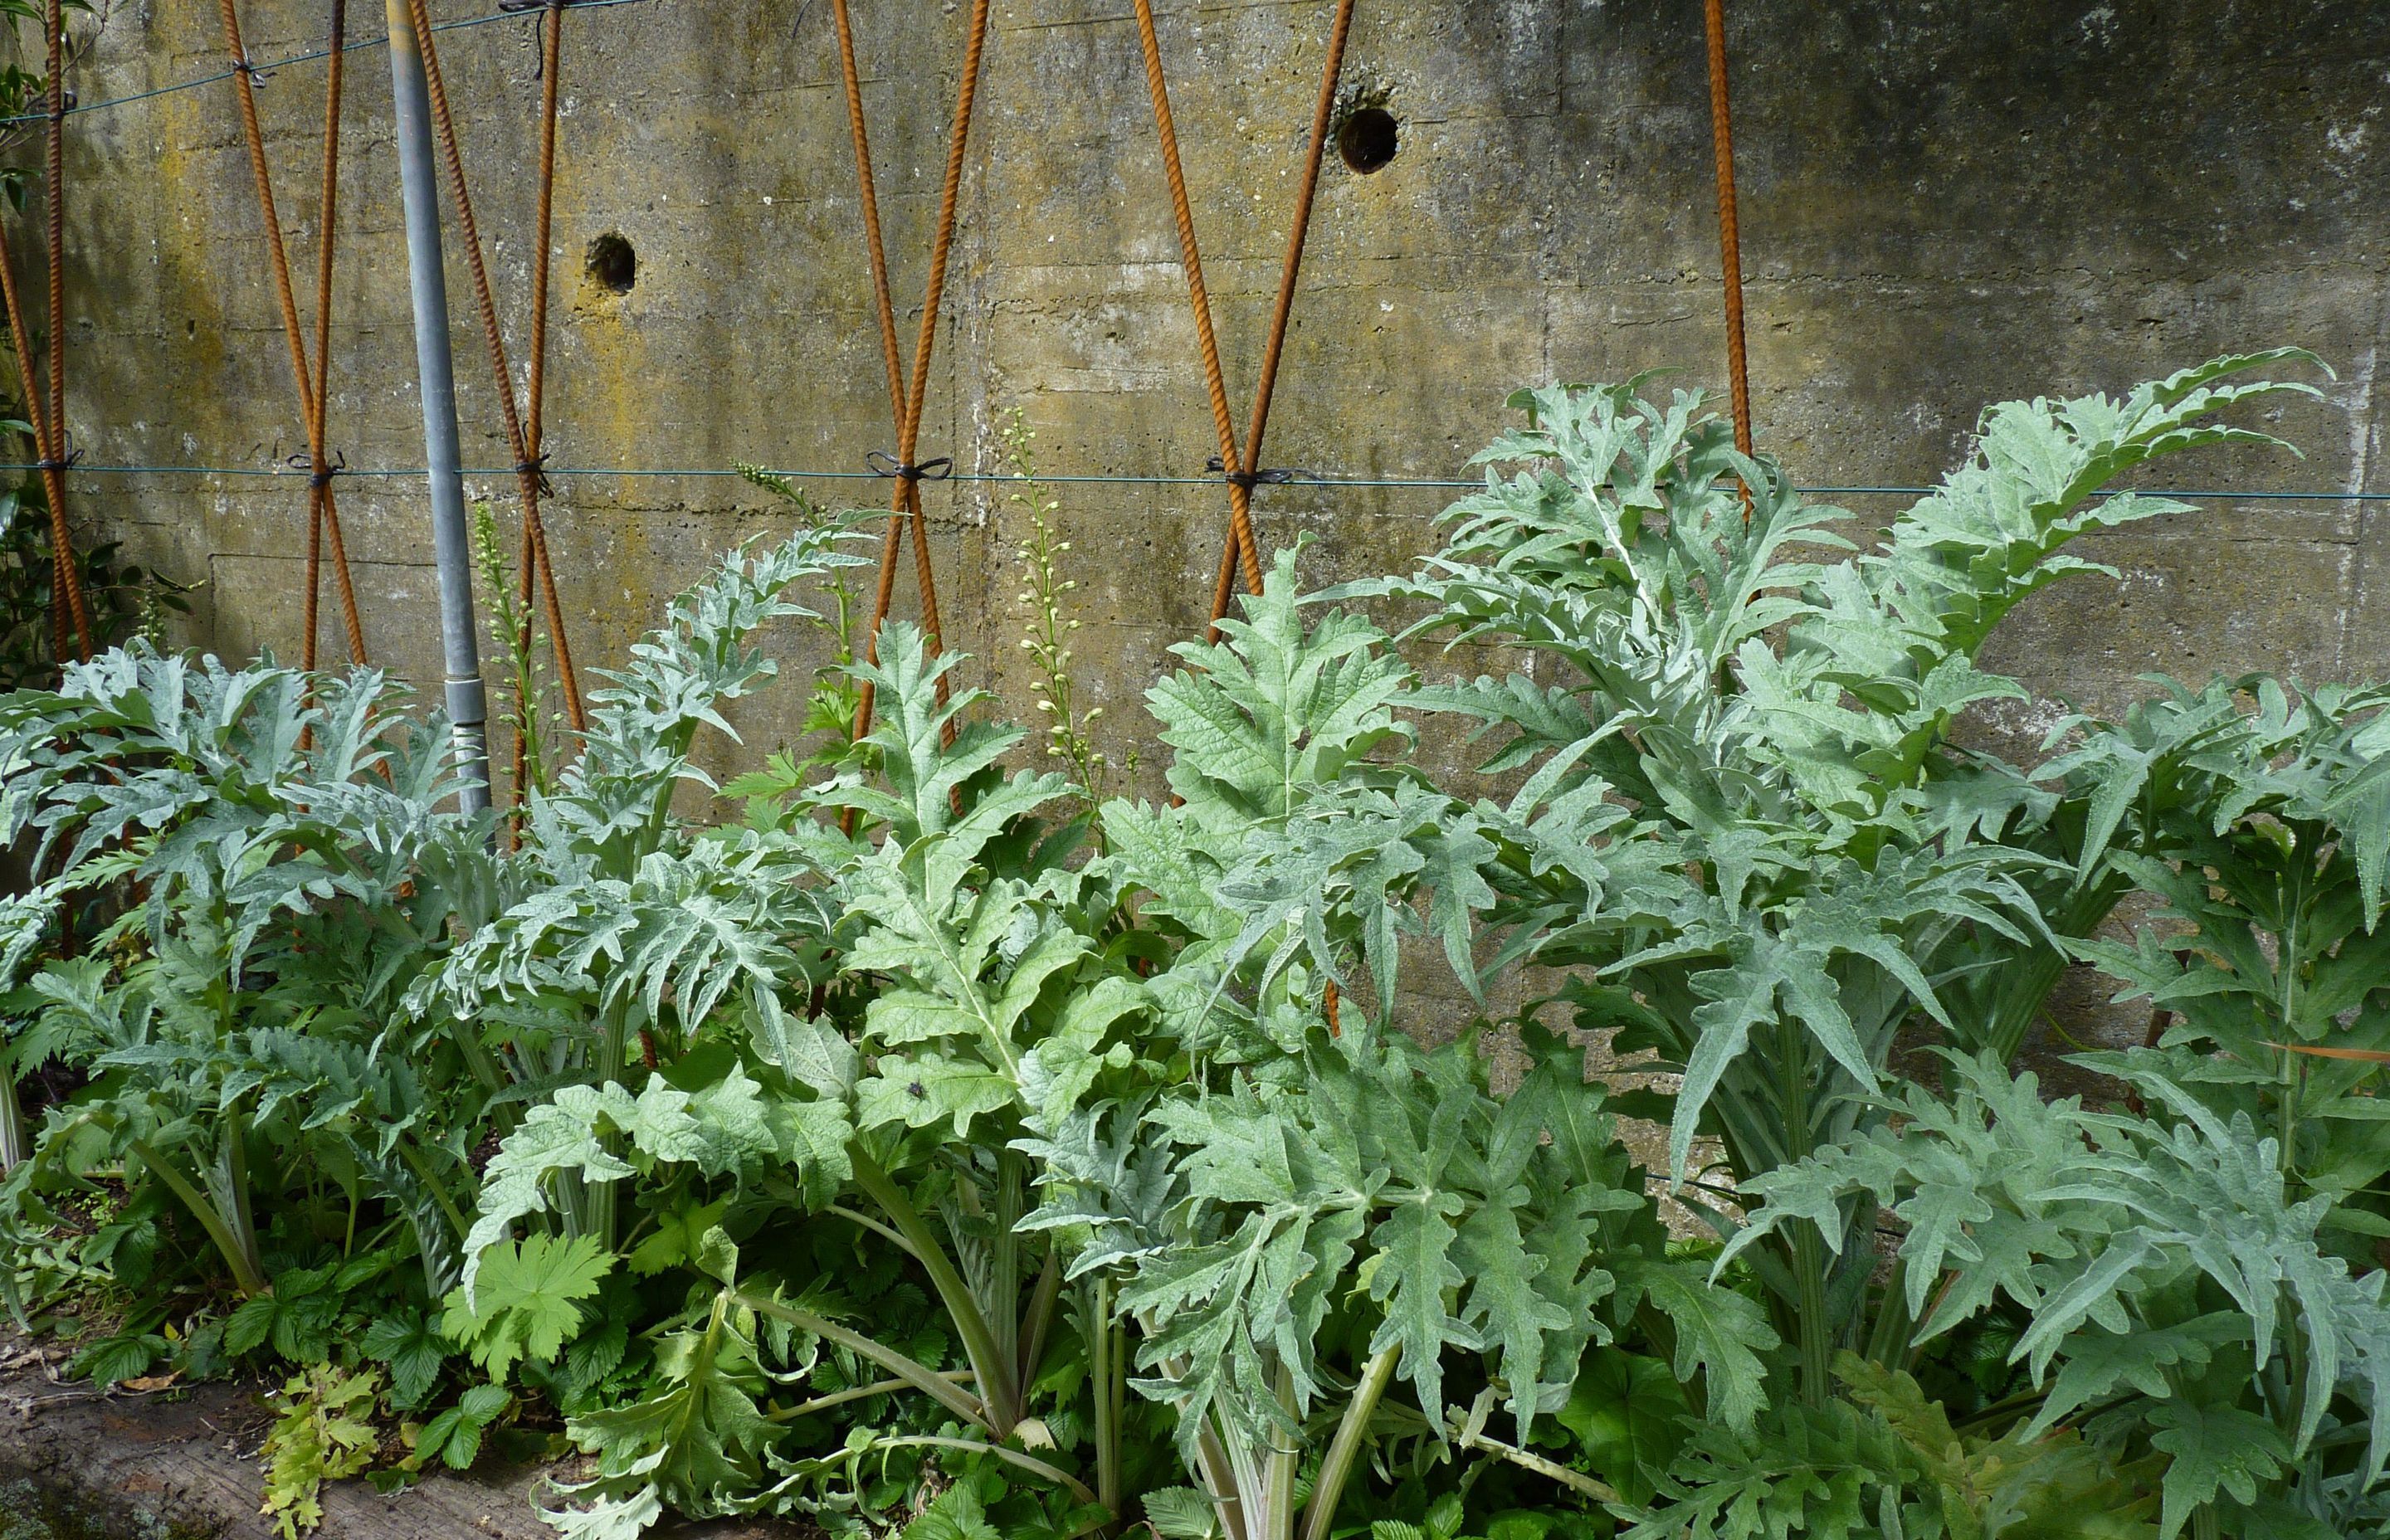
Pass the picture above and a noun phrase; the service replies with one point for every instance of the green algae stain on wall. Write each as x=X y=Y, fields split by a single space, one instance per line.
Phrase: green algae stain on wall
x=1942 y=206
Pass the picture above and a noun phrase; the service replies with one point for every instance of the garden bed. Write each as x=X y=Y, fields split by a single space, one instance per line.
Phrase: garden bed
x=952 y=1150
x=77 y=1463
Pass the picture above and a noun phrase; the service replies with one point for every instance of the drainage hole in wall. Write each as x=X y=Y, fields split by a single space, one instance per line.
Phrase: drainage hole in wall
x=611 y=263
x=1368 y=139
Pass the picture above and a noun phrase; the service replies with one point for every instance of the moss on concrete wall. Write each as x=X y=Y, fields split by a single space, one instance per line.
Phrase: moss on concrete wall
x=1944 y=203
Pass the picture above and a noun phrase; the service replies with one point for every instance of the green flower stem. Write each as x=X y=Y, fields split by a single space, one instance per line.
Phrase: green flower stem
x=999 y=1386
x=1344 y=1450
x=483 y=1067
x=12 y=1125
x=249 y=1274
x=228 y=1184
x=1029 y=1463
x=1039 y=1317
x=855 y=1393
x=939 y=1388
x=1003 y=1309
x=1893 y=1322
x=1105 y=1350
x=2007 y=1408
x=597 y=1199
x=1811 y=1326
x=857 y=1216
x=408 y=1152
x=1217 y=1470
x=1278 y=1495
x=1527 y=1459
x=2022 y=984
x=2287 y=1107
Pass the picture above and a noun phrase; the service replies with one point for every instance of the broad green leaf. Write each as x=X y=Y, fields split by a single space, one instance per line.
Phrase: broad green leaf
x=2216 y=1450
x=957 y=1515
x=1720 y=1334
x=413 y=1347
x=1623 y=1409
x=526 y=1302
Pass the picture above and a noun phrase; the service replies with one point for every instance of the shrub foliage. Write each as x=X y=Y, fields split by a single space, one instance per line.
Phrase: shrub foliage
x=917 y=1142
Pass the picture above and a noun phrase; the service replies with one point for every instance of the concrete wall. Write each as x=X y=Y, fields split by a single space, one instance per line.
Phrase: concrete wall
x=1944 y=203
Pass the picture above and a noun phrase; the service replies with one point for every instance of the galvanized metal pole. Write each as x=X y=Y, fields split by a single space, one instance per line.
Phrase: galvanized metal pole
x=419 y=191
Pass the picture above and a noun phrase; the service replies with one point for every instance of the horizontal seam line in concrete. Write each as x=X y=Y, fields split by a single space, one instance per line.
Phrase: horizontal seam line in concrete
x=2210 y=493
x=307 y=58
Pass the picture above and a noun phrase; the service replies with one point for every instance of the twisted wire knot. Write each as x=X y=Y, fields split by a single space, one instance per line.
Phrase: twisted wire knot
x=889 y=468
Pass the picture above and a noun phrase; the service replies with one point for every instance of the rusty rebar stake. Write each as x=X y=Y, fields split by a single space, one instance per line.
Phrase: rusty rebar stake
x=1242 y=548
x=1729 y=235
x=905 y=398
x=314 y=378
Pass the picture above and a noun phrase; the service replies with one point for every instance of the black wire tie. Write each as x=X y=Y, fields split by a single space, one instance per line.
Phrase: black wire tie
x=889 y=468
x=1275 y=476
x=319 y=475
x=536 y=465
x=245 y=65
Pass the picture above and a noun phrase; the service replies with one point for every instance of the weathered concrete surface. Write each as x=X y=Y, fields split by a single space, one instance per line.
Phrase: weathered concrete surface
x=1944 y=203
